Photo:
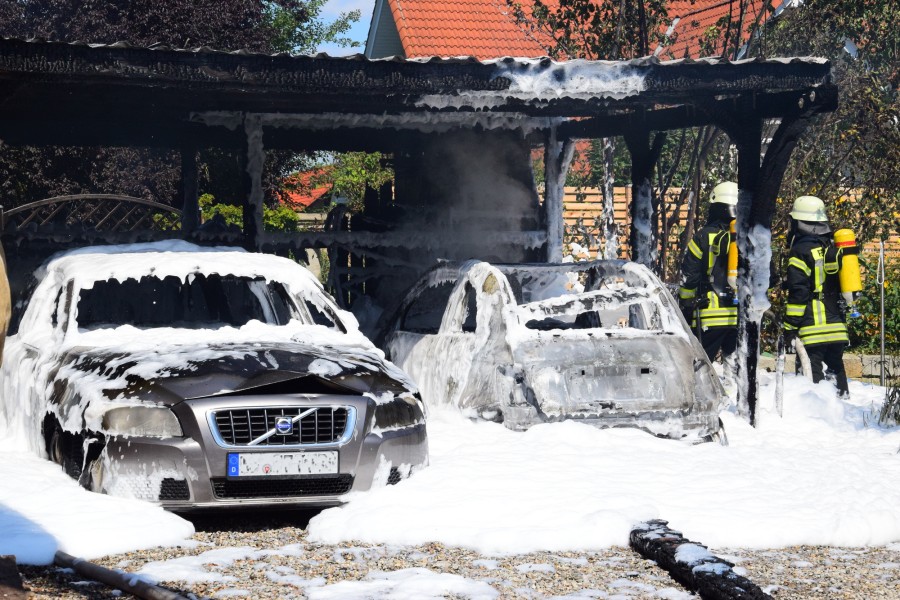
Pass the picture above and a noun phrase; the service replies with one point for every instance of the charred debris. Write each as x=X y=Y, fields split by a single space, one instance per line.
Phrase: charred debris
x=460 y=132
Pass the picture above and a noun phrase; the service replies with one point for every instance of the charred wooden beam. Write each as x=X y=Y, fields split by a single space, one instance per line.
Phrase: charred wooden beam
x=252 y=181
x=754 y=252
x=190 y=211
x=691 y=564
x=701 y=111
x=644 y=208
x=11 y=587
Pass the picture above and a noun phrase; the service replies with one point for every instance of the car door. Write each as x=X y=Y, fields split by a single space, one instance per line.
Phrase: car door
x=32 y=358
x=472 y=342
x=481 y=353
x=414 y=335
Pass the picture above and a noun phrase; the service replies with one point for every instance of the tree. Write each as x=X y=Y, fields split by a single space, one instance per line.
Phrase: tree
x=851 y=158
x=256 y=25
x=625 y=29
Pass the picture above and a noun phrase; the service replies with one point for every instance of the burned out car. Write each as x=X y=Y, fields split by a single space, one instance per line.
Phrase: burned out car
x=601 y=341
x=205 y=377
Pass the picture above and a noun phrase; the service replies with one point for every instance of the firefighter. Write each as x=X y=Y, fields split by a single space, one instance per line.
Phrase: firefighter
x=814 y=309
x=706 y=297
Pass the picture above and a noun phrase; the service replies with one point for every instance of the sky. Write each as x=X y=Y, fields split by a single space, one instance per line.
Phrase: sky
x=360 y=29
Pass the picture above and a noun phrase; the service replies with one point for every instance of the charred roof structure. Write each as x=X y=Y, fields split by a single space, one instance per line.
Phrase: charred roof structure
x=460 y=132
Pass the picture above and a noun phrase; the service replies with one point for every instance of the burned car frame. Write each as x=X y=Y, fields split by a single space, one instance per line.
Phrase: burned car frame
x=205 y=377
x=601 y=341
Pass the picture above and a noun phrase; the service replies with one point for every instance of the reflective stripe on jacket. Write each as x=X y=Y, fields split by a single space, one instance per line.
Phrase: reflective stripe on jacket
x=814 y=301
x=705 y=274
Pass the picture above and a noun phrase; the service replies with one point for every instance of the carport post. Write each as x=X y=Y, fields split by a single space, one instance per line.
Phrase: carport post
x=557 y=156
x=749 y=145
x=252 y=177
x=644 y=239
x=190 y=210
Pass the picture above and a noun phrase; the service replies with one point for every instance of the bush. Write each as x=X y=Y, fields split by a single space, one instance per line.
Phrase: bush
x=865 y=330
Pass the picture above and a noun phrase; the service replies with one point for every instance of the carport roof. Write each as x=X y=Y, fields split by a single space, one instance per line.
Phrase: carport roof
x=80 y=94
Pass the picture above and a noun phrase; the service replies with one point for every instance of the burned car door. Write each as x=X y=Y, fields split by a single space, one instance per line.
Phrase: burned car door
x=485 y=354
x=415 y=334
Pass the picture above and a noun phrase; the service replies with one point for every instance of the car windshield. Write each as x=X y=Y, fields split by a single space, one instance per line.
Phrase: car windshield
x=594 y=310
x=198 y=302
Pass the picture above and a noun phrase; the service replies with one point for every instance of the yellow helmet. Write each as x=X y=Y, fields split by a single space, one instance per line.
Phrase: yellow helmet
x=809 y=208
x=726 y=193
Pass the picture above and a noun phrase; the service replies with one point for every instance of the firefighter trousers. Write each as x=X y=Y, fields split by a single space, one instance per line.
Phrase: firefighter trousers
x=833 y=356
x=719 y=338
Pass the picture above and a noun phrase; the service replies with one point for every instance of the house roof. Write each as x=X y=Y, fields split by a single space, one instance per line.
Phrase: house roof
x=480 y=28
x=697 y=27
x=487 y=28
x=303 y=188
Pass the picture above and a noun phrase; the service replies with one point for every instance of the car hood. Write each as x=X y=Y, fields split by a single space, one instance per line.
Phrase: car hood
x=172 y=374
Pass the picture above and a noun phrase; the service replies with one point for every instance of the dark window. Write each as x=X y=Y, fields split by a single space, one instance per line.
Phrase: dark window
x=471 y=321
x=424 y=314
x=200 y=302
x=323 y=317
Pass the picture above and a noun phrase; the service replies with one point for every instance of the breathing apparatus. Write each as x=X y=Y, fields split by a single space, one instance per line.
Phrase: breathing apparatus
x=723 y=201
x=845 y=242
x=733 y=256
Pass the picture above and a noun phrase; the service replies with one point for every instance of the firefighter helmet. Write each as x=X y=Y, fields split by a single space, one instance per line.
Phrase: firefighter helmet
x=725 y=193
x=809 y=208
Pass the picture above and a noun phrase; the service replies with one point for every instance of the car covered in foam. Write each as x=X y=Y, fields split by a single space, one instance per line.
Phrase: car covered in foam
x=205 y=377
x=601 y=341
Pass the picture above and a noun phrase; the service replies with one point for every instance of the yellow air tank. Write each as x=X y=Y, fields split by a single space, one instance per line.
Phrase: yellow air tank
x=845 y=241
x=733 y=257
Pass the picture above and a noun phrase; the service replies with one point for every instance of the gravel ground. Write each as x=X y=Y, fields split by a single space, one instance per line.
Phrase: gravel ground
x=275 y=560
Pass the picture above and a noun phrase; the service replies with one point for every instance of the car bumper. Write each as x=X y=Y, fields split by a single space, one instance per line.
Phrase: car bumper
x=190 y=472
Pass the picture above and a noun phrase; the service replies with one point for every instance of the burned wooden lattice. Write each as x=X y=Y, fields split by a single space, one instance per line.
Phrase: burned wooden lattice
x=91 y=212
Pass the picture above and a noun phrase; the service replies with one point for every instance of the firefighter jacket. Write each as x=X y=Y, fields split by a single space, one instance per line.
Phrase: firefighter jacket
x=814 y=304
x=704 y=283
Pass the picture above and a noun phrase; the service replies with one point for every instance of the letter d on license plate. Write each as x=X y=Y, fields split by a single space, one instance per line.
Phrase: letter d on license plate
x=262 y=464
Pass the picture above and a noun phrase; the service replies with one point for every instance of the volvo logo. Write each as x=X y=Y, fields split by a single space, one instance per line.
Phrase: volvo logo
x=284 y=425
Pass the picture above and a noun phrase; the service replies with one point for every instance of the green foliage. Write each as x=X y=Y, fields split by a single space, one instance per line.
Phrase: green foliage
x=297 y=27
x=596 y=29
x=854 y=151
x=864 y=331
x=279 y=218
x=349 y=173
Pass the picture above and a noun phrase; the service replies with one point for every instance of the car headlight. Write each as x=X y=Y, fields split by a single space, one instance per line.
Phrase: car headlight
x=402 y=411
x=142 y=421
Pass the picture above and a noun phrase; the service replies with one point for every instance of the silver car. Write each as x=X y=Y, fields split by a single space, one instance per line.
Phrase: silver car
x=205 y=377
x=602 y=342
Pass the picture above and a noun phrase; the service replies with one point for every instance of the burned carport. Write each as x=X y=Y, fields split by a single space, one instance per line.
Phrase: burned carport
x=460 y=133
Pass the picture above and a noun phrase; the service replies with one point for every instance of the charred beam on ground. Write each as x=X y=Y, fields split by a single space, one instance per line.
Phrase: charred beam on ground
x=11 y=587
x=691 y=564
x=117 y=579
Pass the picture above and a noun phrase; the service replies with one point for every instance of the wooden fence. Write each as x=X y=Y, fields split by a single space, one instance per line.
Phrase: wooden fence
x=583 y=210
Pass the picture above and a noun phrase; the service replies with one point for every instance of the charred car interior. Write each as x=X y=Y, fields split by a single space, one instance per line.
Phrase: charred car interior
x=597 y=341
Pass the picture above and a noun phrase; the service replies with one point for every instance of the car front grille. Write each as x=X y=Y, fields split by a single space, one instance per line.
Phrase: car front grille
x=174 y=489
x=240 y=426
x=333 y=485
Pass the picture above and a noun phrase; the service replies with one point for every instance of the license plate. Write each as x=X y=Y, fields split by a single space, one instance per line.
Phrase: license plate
x=282 y=463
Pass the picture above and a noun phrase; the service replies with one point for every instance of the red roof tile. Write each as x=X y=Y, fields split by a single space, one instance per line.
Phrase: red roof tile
x=487 y=29
x=302 y=189
x=699 y=20
x=484 y=29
